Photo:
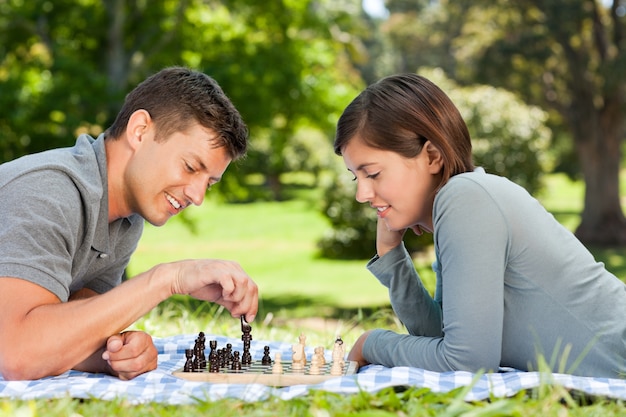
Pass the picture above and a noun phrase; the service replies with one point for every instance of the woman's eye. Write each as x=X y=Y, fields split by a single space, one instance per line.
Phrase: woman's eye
x=373 y=176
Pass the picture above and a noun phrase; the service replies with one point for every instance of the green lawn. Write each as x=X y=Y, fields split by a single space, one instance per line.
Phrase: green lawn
x=273 y=242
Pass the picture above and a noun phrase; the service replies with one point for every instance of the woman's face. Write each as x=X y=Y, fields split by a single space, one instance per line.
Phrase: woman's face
x=401 y=190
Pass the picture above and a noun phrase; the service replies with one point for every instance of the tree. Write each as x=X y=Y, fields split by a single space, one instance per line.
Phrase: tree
x=67 y=66
x=567 y=56
x=570 y=56
x=283 y=66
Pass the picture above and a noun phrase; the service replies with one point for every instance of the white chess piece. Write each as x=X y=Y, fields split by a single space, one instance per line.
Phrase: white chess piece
x=277 y=368
x=298 y=357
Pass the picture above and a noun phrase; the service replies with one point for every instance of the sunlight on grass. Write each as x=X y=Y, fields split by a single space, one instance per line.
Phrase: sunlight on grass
x=274 y=242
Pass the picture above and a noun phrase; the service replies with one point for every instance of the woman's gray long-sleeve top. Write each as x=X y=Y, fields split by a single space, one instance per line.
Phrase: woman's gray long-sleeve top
x=512 y=284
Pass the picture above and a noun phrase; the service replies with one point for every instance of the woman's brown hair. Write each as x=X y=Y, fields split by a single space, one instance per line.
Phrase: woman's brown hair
x=400 y=113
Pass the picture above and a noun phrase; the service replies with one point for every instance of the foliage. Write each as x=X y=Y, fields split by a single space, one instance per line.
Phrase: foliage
x=509 y=139
x=66 y=66
x=353 y=232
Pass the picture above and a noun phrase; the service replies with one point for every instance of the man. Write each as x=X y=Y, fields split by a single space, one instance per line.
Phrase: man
x=72 y=217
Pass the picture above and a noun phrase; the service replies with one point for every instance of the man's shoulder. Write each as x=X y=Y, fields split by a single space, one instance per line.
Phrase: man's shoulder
x=78 y=163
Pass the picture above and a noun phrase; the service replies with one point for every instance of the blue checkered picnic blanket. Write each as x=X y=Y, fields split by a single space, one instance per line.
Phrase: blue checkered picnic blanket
x=162 y=387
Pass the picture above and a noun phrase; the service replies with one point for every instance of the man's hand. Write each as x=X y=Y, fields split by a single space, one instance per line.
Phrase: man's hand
x=217 y=281
x=130 y=354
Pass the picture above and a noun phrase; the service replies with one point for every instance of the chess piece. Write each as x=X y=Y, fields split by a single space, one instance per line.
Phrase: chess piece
x=246 y=337
x=214 y=361
x=267 y=359
x=199 y=361
x=246 y=357
x=277 y=368
x=189 y=362
x=236 y=365
x=302 y=341
x=229 y=354
x=314 y=369
x=318 y=356
x=298 y=357
x=336 y=367
x=338 y=350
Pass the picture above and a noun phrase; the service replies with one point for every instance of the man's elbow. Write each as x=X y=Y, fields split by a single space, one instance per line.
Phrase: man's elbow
x=20 y=368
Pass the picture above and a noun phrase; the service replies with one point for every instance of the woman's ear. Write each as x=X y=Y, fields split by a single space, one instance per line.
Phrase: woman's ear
x=435 y=158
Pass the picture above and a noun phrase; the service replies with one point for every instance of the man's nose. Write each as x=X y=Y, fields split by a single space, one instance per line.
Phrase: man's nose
x=196 y=191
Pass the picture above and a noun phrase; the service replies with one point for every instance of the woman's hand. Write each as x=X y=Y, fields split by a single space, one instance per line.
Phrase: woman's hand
x=386 y=239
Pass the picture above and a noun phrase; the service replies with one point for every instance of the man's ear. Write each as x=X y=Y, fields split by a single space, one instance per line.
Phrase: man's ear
x=137 y=126
x=435 y=158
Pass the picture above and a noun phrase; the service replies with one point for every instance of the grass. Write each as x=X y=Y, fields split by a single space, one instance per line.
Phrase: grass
x=275 y=243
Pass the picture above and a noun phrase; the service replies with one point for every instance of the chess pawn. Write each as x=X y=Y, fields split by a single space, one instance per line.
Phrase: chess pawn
x=267 y=359
x=314 y=369
x=236 y=365
x=336 y=368
x=277 y=368
x=229 y=354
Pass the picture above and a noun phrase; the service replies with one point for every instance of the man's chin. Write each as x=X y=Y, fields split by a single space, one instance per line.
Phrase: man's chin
x=158 y=222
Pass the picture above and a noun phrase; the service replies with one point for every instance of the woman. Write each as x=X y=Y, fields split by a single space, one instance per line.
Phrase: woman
x=513 y=285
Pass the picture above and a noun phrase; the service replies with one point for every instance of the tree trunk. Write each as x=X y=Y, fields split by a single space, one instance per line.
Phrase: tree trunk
x=598 y=139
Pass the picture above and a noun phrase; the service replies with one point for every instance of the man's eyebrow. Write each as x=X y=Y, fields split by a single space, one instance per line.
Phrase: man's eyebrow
x=200 y=163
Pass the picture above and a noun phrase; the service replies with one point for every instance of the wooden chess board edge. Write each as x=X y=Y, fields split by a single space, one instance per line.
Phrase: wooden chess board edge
x=276 y=380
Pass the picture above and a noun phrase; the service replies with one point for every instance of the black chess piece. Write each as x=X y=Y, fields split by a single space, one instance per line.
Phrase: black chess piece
x=214 y=364
x=189 y=362
x=267 y=359
x=236 y=365
x=200 y=359
x=228 y=354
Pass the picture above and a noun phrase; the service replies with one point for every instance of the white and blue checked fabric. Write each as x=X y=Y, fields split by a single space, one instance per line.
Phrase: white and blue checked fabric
x=161 y=387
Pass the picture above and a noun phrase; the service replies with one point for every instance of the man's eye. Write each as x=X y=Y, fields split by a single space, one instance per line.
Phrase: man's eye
x=189 y=168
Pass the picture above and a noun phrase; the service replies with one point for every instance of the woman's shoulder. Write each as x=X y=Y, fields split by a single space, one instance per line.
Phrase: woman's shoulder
x=480 y=180
x=481 y=188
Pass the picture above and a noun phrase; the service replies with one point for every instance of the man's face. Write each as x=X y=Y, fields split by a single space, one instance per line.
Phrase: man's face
x=163 y=178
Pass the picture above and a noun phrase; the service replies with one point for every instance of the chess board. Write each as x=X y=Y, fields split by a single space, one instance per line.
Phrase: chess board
x=257 y=373
x=232 y=367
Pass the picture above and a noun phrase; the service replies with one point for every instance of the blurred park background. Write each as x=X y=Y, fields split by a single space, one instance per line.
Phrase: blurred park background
x=541 y=84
